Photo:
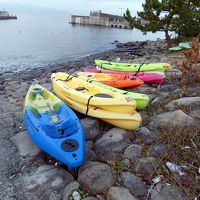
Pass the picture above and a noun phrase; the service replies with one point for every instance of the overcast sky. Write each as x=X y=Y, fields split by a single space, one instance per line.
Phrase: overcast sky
x=81 y=6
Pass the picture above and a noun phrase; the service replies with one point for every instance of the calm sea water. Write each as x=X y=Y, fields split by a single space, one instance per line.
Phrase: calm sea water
x=37 y=39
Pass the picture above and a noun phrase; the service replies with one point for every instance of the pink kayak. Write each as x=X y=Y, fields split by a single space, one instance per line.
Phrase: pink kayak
x=149 y=78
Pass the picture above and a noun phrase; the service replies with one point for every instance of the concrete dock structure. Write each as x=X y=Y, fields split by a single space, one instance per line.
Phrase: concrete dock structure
x=4 y=15
x=97 y=18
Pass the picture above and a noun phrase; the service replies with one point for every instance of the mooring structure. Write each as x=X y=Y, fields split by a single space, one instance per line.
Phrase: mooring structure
x=98 y=18
x=4 y=15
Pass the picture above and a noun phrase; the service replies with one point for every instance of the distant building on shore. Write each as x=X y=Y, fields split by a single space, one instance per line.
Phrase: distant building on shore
x=4 y=15
x=97 y=18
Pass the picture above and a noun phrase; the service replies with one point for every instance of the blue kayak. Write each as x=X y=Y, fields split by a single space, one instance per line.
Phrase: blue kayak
x=54 y=127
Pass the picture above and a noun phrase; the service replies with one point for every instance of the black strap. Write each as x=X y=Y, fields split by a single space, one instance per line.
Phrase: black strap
x=68 y=77
x=62 y=129
x=136 y=73
x=75 y=131
x=126 y=92
x=88 y=105
x=101 y=65
x=89 y=80
x=140 y=67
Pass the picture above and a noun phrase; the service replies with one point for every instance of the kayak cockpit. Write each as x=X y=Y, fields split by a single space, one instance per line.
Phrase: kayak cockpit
x=49 y=114
x=61 y=130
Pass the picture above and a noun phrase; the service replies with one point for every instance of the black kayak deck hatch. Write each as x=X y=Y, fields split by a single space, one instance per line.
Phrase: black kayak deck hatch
x=69 y=145
x=102 y=95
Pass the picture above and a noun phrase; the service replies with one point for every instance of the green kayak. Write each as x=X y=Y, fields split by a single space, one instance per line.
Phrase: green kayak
x=182 y=45
x=142 y=100
x=185 y=45
x=176 y=48
x=126 y=67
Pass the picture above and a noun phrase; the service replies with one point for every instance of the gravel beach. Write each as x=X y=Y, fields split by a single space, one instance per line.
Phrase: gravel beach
x=135 y=158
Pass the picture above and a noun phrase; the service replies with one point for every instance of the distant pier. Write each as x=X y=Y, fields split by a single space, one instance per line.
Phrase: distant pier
x=4 y=15
x=97 y=18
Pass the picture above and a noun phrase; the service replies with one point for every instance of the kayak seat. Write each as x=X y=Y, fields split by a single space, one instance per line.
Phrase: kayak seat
x=102 y=95
x=38 y=98
x=41 y=102
x=61 y=130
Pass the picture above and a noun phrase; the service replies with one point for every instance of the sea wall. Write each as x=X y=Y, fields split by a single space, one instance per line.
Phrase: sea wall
x=5 y=15
x=100 y=19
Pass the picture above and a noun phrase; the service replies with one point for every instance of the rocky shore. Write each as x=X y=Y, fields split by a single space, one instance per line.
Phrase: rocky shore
x=159 y=161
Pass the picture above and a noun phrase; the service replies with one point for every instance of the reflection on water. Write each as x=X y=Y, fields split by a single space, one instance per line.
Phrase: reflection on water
x=38 y=39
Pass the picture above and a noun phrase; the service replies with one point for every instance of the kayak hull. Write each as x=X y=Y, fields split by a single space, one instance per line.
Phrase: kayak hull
x=54 y=137
x=90 y=94
x=126 y=67
x=113 y=80
x=142 y=100
x=121 y=120
x=148 y=78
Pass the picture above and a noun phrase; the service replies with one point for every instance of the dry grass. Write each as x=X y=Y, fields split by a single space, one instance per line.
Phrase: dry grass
x=189 y=65
x=182 y=145
x=183 y=149
x=117 y=166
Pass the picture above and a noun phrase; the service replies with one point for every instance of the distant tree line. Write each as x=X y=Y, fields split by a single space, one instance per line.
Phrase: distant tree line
x=179 y=16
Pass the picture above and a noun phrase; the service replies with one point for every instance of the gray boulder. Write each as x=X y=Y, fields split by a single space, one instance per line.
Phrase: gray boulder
x=112 y=143
x=195 y=114
x=145 y=135
x=2 y=87
x=47 y=176
x=173 y=72
x=172 y=120
x=157 y=150
x=92 y=128
x=96 y=176
x=168 y=87
x=146 y=166
x=54 y=195
x=166 y=192
x=184 y=103
x=119 y=193
x=146 y=89
x=90 y=155
x=69 y=189
x=133 y=151
x=90 y=198
x=25 y=146
x=89 y=144
x=126 y=162
x=135 y=185
x=48 y=86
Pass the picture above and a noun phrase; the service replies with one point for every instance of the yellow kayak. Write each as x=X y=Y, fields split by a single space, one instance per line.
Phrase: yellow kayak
x=121 y=120
x=89 y=94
